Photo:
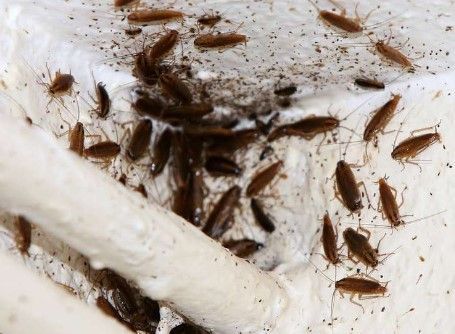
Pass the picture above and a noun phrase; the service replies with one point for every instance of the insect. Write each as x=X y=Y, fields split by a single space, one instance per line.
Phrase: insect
x=390 y=208
x=149 y=106
x=381 y=118
x=212 y=131
x=145 y=69
x=369 y=83
x=242 y=248
x=133 y=31
x=104 y=150
x=187 y=111
x=163 y=46
x=187 y=329
x=414 y=145
x=61 y=84
x=220 y=218
x=105 y=306
x=124 y=3
x=221 y=166
x=77 y=138
x=355 y=285
x=266 y=152
x=347 y=187
x=285 y=91
x=172 y=86
x=391 y=53
x=161 y=151
x=181 y=159
x=329 y=241
x=262 y=178
x=221 y=40
x=238 y=140
x=209 y=20
x=261 y=218
x=360 y=248
x=103 y=100
x=154 y=16
x=307 y=128
x=23 y=235
x=140 y=139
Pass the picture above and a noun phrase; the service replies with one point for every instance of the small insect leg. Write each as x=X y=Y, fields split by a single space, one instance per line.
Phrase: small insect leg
x=354 y=302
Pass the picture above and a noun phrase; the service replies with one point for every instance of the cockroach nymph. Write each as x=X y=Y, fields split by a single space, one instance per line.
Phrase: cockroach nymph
x=262 y=178
x=163 y=46
x=154 y=16
x=347 y=187
x=221 y=40
x=243 y=248
x=261 y=218
x=140 y=140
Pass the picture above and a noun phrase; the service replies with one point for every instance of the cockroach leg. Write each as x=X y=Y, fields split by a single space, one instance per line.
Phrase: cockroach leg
x=351 y=299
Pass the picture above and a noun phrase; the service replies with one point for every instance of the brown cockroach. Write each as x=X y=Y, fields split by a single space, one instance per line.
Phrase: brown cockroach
x=390 y=53
x=77 y=138
x=188 y=329
x=140 y=140
x=355 y=285
x=307 y=128
x=187 y=111
x=329 y=241
x=23 y=234
x=181 y=159
x=124 y=302
x=145 y=69
x=172 y=86
x=133 y=31
x=360 y=248
x=222 y=166
x=411 y=147
x=390 y=208
x=163 y=46
x=242 y=248
x=261 y=218
x=347 y=187
x=124 y=3
x=209 y=20
x=221 y=40
x=369 y=83
x=103 y=100
x=149 y=106
x=381 y=118
x=154 y=16
x=104 y=150
x=285 y=91
x=237 y=141
x=220 y=219
x=262 y=178
x=61 y=84
x=161 y=151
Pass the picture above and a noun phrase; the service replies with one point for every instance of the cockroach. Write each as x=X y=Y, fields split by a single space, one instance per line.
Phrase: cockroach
x=61 y=84
x=209 y=20
x=187 y=111
x=360 y=248
x=133 y=31
x=106 y=307
x=239 y=139
x=261 y=218
x=361 y=287
x=23 y=235
x=341 y=22
x=124 y=3
x=307 y=128
x=164 y=45
x=390 y=208
x=124 y=302
x=141 y=189
x=154 y=16
x=381 y=118
x=213 y=132
x=411 y=147
x=140 y=140
x=181 y=159
x=262 y=178
x=369 y=83
x=221 y=40
x=285 y=91
x=172 y=86
x=196 y=194
x=145 y=69
x=243 y=248
x=329 y=241
x=77 y=138
x=348 y=187
x=103 y=150
x=103 y=100
x=390 y=53
x=221 y=166
x=220 y=218
x=187 y=329
x=161 y=152
x=149 y=106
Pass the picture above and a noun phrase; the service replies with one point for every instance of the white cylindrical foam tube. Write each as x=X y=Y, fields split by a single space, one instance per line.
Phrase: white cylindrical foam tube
x=168 y=258
x=33 y=304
